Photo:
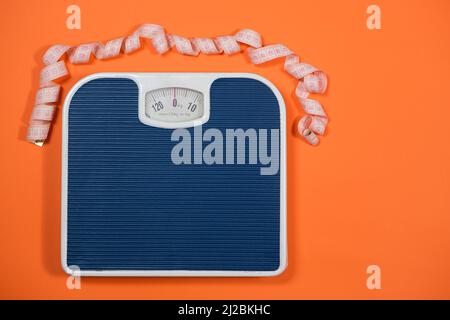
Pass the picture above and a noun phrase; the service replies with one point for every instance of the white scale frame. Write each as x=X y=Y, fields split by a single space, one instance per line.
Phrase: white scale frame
x=148 y=82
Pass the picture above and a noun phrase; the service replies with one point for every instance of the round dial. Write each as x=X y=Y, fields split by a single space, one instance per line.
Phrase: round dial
x=174 y=104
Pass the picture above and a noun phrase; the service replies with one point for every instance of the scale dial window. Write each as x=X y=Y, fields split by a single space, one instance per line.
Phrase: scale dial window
x=174 y=105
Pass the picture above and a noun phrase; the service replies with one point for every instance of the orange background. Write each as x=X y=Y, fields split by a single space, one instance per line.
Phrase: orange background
x=376 y=190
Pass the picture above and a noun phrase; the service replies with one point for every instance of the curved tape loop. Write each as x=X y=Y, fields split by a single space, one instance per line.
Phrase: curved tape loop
x=311 y=80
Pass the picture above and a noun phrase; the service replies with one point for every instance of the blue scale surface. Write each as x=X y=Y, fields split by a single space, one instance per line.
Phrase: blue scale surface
x=131 y=208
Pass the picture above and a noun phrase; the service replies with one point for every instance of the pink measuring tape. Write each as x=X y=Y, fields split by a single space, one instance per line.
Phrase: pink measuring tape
x=311 y=80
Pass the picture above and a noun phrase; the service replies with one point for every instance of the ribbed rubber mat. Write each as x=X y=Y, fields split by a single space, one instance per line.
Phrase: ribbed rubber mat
x=130 y=208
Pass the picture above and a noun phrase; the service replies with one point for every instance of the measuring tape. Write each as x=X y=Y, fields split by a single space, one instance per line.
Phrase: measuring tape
x=311 y=80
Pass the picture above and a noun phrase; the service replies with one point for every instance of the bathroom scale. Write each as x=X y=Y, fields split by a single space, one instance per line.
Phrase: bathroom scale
x=174 y=174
